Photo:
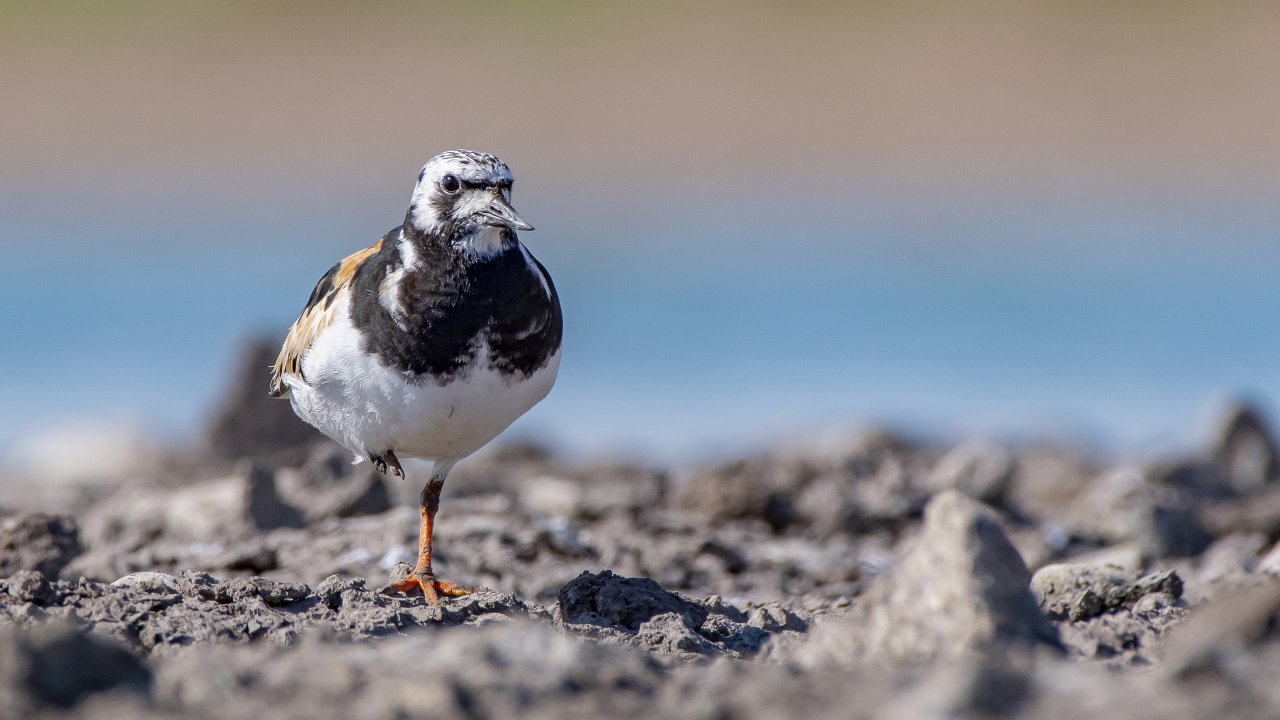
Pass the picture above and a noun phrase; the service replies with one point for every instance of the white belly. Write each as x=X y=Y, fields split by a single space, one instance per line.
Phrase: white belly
x=370 y=408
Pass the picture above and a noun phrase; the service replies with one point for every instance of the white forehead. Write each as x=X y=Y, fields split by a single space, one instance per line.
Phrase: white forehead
x=470 y=166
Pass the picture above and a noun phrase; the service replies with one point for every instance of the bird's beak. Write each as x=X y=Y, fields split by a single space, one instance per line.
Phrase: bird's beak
x=501 y=214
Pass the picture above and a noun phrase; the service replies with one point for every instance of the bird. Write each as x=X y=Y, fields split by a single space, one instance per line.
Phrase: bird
x=432 y=341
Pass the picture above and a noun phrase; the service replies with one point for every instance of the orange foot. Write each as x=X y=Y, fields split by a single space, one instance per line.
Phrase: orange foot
x=431 y=588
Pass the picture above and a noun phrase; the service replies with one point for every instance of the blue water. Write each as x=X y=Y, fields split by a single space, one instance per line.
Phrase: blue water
x=704 y=332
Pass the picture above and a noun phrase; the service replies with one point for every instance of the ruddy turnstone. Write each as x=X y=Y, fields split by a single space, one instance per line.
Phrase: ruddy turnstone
x=431 y=342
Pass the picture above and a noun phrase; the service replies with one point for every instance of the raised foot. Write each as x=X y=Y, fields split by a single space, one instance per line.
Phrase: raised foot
x=388 y=464
x=431 y=588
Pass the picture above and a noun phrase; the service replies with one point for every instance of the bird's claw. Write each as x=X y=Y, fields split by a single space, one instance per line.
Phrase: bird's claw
x=388 y=464
x=426 y=583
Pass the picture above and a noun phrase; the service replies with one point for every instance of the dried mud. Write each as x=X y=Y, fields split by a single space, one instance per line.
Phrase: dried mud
x=888 y=578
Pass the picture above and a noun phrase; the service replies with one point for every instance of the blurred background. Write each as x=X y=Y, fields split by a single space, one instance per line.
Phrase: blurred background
x=1021 y=219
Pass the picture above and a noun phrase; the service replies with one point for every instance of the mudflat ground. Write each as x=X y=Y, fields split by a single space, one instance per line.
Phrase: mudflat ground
x=883 y=577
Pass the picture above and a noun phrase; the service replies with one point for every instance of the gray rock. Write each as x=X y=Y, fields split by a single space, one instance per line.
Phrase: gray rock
x=772 y=617
x=197 y=585
x=1124 y=559
x=1118 y=638
x=251 y=424
x=978 y=468
x=1109 y=615
x=875 y=484
x=1225 y=629
x=823 y=506
x=668 y=634
x=732 y=636
x=1126 y=505
x=1165 y=582
x=28 y=586
x=335 y=591
x=328 y=485
x=253 y=555
x=149 y=581
x=1269 y=563
x=983 y=687
x=270 y=591
x=244 y=609
x=513 y=669
x=762 y=488
x=627 y=603
x=213 y=524
x=550 y=495
x=1230 y=562
x=1257 y=512
x=717 y=605
x=37 y=541
x=1244 y=450
x=1047 y=480
x=263 y=507
x=60 y=666
x=138 y=516
x=883 y=484
x=1079 y=592
x=1154 y=603
x=959 y=587
x=593 y=492
x=1069 y=591
x=637 y=611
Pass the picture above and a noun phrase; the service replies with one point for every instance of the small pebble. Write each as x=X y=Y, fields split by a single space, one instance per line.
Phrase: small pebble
x=149 y=581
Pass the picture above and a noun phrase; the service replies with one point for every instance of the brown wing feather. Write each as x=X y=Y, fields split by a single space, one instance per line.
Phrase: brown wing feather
x=333 y=289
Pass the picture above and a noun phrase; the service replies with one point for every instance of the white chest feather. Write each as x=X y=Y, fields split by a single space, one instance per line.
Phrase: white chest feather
x=370 y=408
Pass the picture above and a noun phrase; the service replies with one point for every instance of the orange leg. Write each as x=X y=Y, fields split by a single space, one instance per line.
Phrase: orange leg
x=421 y=578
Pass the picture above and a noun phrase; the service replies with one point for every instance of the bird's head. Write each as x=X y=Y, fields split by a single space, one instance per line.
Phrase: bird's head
x=463 y=194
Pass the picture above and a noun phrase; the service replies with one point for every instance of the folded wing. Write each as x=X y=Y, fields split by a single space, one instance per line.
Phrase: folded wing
x=330 y=293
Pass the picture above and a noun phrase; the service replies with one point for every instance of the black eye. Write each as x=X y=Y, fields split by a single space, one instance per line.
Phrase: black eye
x=450 y=184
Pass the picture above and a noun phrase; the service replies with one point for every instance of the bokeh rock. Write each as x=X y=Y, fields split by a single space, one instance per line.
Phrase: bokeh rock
x=1258 y=511
x=252 y=424
x=595 y=492
x=761 y=488
x=501 y=670
x=978 y=468
x=263 y=507
x=1048 y=480
x=883 y=481
x=1269 y=563
x=1244 y=449
x=982 y=687
x=244 y=502
x=37 y=541
x=59 y=666
x=328 y=485
x=1223 y=630
x=1230 y=562
x=1125 y=504
x=875 y=483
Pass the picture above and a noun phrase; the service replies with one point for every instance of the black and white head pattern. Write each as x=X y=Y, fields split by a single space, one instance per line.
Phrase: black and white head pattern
x=453 y=189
